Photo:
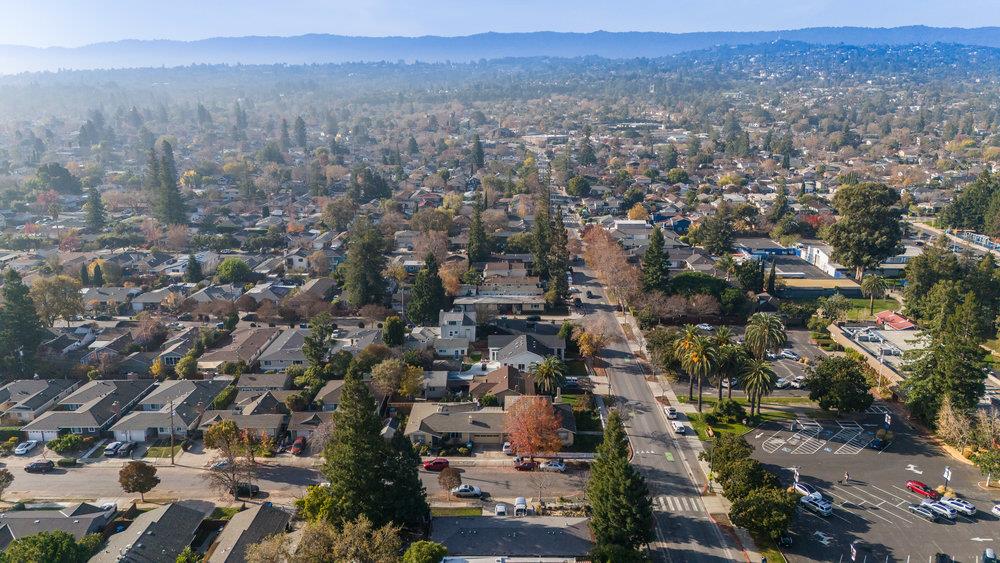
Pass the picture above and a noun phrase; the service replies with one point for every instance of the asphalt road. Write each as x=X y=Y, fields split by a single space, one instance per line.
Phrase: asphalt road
x=505 y=484
x=684 y=530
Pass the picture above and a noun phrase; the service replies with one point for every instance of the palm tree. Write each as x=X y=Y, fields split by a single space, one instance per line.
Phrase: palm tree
x=874 y=286
x=685 y=341
x=765 y=332
x=758 y=381
x=724 y=339
x=732 y=358
x=726 y=264
x=550 y=374
x=699 y=361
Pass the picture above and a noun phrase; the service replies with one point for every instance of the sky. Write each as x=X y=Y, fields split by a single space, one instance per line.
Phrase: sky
x=69 y=23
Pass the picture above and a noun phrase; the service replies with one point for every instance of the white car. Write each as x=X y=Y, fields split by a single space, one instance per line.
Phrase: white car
x=789 y=355
x=995 y=510
x=574 y=289
x=805 y=489
x=671 y=412
x=799 y=382
x=961 y=506
x=940 y=509
x=678 y=427
x=554 y=465
x=507 y=449
x=467 y=491
x=24 y=447
x=500 y=509
x=816 y=503
x=781 y=383
x=706 y=327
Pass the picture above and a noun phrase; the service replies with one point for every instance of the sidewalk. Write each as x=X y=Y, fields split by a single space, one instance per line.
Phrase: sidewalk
x=715 y=503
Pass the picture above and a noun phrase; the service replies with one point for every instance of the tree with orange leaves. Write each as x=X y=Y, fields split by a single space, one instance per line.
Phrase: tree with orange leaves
x=533 y=426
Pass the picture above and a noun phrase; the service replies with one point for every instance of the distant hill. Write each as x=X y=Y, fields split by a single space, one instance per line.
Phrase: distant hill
x=306 y=49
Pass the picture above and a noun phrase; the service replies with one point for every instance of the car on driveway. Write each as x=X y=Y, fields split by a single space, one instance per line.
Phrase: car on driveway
x=298 y=446
x=436 y=464
x=961 y=506
x=500 y=509
x=508 y=449
x=923 y=512
x=126 y=449
x=24 y=447
x=940 y=508
x=922 y=490
x=40 y=466
x=671 y=412
x=111 y=450
x=467 y=491
x=817 y=504
x=554 y=465
x=525 y=465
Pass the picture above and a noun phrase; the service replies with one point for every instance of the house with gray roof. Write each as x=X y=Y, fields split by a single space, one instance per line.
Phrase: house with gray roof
x=246 y=528
x=152 y=418
x=226 y=293
x=244 y=345
x=90 y=409
x=259 y=414
x=77 y=519
x=524 y=350
x=284 y=351
x=158 y=535
x=459 y=423
x=25 y=399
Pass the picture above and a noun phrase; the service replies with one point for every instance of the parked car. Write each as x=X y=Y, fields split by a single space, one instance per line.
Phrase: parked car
x=520 y=506
x=525 y=464
x=126 y=449
x=961 y=506
x=574 y=289
x=436 y=464
x=244 y=490
x=805 y=489
x=923 y=512
x=922 y=490
x=705 y=327
x=500 y=509
x=799 y=382
x=533 y=318
x=878 y=444
x=219 y=465
x=678 y=427
x=298 y=446
x=590 y=294
x=467 y=491
x=995 y=510
x=789 y=355
x=111 y=450
x=671 y=412
x=24 y=447
x=781 y=383
x=577 y=302
x=554 y=465
x=989 y=556
x=40 y=466
x=940 y=508
x=508 y=449
x=817 y=504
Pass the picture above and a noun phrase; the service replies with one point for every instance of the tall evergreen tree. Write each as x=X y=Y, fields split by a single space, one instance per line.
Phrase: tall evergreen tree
x=557 y=261
x=193 y=273
x=20 y=329
x=478 y=156
x=84 y=276
x=478 y=250
x=95 y=210
x=152 y=179
x=169 y=205
x=363 y=281
x=286 y=139
x=428 y=297
x=772 y=278
x=408 y=505
x=621 y=510
x=98 y=278
x=540 y=236
x=300 y=132
x=655 y=264
x=412 y=146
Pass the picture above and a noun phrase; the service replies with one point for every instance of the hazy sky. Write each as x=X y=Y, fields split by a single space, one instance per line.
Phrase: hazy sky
x=77 y=22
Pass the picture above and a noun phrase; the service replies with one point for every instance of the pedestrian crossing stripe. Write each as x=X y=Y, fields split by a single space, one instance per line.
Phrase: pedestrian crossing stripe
x=676 y=504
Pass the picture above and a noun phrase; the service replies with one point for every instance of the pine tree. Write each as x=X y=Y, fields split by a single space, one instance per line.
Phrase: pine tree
x=20 y=329
x=286 y=140
x=84 y=276
x=152 y=179
x=95 y=210
x=300 y=132
x=412 y=146
x=772 y=278
x=363 y=281
x=169 y=205
x=193 y=273
x=655 y=264
x=478 y=157
x=408 y=507
x=540 y=237
x=621 y=510
x=98 y=277
x=428 y=297
x=557 y=261
x=478 y=250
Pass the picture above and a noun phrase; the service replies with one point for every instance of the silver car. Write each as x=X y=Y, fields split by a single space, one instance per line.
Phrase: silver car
x=815 y=503
x=961 y=506
x=940 y=509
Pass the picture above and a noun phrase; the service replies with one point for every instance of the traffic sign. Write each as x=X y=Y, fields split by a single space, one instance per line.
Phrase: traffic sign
x=854 y=552
x=947 y=474
x=888 y=420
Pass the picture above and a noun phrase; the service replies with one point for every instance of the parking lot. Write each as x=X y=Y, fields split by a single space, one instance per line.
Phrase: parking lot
x=872 y=508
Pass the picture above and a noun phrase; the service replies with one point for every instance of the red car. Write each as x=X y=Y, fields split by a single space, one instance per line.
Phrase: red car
x=922 y=490
x=436 y=464
x=298 y=446
x=525 y=465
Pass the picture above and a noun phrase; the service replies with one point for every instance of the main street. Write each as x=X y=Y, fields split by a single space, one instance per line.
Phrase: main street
x=684 y=529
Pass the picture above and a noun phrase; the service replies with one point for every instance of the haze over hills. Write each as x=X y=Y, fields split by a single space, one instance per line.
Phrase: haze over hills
x=320 y=48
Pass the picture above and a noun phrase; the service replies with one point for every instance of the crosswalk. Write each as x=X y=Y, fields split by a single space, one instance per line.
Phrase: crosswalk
x=677 y=504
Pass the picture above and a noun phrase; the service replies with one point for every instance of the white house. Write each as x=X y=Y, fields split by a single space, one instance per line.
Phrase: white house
x=458 y=324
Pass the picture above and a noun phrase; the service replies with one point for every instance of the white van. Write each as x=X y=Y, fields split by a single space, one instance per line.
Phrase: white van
x=678 y=427
x=520 y=506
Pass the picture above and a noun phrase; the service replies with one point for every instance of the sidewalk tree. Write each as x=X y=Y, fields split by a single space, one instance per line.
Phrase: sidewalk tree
x=138 y=477
x=449 y=478
x=764 y=512
x=621 y=509
x=424 y=551
x=868 y=228
x=839 y=383
x=533 y=426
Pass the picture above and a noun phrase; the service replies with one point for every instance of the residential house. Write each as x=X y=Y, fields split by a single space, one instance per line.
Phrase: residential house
x=284 y=351
x=90 y=409
x=107 y=298
x=435 y=384
x=451 y=347
x=244 y=345
x=262 y=414
x=304 y=423
x=503 y=382
x=247 y=528
x=25 y=399
x=632 y=234
x=153 y=418
x=178 y=346
x=160 y=534
x=269 y=291
x=154 y=300
x=225 y=293
x=510 y=268
x=457 y=324
x=460 y=423
x=260 y=382
x=77 y=519
x=525 y=350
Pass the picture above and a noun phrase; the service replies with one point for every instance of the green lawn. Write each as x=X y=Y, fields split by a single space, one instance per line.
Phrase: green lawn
x=224 y=512
x=456 y=511
x=576 y=368
x=161 y=451
x=701 y=428
x=859 y=308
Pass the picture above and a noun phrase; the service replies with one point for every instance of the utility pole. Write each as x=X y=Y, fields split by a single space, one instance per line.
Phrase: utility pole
x=171 y=431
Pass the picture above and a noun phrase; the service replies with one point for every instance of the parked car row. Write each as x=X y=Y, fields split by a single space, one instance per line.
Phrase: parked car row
x=119 y=449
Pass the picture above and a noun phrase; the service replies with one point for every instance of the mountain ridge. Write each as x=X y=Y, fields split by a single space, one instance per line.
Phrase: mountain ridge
x=327 y=48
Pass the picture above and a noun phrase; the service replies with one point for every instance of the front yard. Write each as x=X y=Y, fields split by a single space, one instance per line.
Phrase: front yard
x=161 y=448
x=859 y=308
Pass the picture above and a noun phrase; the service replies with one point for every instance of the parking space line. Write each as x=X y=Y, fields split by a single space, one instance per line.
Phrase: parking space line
x=904 y=500
x=861 y=507
x=878 y=506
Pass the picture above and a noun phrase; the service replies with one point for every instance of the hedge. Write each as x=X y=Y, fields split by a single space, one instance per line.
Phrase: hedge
x=224 y=397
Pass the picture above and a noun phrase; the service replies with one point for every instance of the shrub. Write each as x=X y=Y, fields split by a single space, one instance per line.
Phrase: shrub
x=7 y=447
x=224 y=397
x=66 y=462
x=66 y=443
x=729 y=410
x=424 y=449
x=710 y=418
x=463 y=451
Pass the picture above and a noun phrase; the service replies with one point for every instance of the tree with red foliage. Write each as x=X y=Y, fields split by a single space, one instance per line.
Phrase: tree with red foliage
x=533 y=426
